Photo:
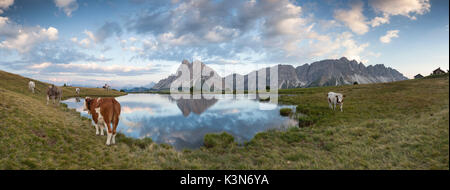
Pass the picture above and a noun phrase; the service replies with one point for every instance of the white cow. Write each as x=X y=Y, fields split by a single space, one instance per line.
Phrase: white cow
x=77 y=91
x=31 y=86
x=335 y=98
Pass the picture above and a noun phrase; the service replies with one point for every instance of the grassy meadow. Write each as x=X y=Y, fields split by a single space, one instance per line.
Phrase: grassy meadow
x=398 y=125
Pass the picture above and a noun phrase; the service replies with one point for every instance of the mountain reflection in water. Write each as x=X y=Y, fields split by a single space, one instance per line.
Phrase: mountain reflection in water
x=183 y=123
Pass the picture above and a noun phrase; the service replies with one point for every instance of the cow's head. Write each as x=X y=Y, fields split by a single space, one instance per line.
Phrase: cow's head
x=340 y=99
x=87 y=104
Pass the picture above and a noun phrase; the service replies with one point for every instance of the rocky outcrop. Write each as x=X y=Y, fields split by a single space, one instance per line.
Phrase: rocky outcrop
x=330 y=72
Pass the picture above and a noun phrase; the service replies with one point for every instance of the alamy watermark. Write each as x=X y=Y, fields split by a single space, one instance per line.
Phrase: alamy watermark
x=197 y=81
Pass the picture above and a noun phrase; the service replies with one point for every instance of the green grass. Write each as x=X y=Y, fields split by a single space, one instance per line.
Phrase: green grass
x=285 y=111
x=399 y=125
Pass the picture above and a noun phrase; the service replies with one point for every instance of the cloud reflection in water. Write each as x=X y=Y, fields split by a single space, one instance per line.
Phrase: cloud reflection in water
x=184 y=122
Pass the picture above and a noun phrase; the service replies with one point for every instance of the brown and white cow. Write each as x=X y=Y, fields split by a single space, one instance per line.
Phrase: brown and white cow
x=335 y=99
x=104 y=111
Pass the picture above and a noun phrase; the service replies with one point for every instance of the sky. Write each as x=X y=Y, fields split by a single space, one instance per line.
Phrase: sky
x=136 y=42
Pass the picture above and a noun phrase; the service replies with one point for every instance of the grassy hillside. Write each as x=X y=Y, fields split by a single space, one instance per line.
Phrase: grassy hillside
x=400 y=125
x=19 y=84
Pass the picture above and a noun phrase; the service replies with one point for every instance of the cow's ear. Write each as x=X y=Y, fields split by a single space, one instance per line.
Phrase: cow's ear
x=344 y=95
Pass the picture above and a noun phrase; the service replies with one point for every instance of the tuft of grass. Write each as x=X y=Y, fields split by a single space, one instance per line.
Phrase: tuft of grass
x=305 y=121
x=222 y=140
x=285 y=111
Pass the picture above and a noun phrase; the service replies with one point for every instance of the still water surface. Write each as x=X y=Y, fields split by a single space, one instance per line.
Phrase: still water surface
x=183 y=123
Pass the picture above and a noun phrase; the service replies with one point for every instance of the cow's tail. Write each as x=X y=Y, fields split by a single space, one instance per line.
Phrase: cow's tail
x=116 y=114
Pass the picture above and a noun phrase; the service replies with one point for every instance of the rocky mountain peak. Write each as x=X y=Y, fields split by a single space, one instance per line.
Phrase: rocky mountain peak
x=329 y=72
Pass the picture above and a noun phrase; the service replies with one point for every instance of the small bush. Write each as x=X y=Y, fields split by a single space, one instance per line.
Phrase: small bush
x=285 y=111
x=222 y=140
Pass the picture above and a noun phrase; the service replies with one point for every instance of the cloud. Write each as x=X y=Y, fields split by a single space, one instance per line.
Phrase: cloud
x=407 y=8
x=68 y=6
x=41 y=66
x=389 y=35
x=219 y=34
x=356 y=21
x=85 y=42
x=269 y=30
x=388 y=8
x=107 y=30
x=52 y=33
x=95 y=68
x=3 y=21
x=4 y=4
x=353 y=18
x=89 y=34
x=132 y=39
x=23 y=39
x=352 y=50
x=379 y=20
x=60 y=53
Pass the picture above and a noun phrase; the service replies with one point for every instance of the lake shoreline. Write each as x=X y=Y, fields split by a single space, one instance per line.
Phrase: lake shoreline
x=141 y=111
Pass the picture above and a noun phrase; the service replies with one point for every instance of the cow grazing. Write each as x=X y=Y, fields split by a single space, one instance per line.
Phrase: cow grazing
x=104 y=111
x=77 y=91
x=53 y=92
x=335 y=98
x=31 y=86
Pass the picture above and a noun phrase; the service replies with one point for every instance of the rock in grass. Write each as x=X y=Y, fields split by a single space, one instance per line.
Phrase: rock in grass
x=285 y=111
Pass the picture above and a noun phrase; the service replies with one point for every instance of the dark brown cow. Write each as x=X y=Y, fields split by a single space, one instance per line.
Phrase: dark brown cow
x=53 y=92
x=104 y=111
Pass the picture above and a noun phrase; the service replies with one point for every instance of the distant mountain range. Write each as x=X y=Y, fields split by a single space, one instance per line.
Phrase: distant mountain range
x=329 y=72
x=144 y=88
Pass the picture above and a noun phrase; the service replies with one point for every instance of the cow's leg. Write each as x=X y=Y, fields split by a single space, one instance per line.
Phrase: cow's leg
x=329 y=104
x=108 y=132
x=114 y=138
x=47 y=99
x=102 y=130
x=342 y=104
x=96 y=129
x=114 y=134
x=115 y=123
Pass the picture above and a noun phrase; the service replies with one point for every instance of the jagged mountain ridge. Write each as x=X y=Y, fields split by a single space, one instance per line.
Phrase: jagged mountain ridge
x=329 y=72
